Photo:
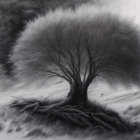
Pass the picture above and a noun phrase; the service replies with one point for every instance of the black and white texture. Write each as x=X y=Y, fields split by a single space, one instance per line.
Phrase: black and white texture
x=116 y=40
x=14 y=15
x=20 y=30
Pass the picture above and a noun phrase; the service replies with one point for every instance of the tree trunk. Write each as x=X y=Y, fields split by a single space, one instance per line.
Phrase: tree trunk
x=78 y=94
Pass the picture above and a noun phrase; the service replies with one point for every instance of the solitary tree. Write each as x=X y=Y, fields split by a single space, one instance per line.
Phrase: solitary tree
x=79 y=48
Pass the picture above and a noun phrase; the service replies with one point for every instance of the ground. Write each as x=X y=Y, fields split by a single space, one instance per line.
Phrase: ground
x=24 y=126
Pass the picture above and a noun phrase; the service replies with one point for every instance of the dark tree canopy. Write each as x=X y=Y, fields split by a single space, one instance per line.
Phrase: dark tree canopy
x=89 y=45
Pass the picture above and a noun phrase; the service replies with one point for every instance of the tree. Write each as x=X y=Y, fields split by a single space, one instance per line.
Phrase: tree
x=79 y=49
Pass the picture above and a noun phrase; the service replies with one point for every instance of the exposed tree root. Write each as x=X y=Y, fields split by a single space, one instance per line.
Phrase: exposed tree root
x=90 y=115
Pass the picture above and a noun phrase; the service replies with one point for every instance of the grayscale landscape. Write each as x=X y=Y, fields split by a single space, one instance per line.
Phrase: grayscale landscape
x=43 y=65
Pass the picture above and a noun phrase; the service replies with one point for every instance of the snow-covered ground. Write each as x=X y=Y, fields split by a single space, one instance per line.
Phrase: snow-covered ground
x=125 y=101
